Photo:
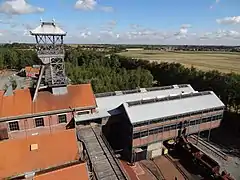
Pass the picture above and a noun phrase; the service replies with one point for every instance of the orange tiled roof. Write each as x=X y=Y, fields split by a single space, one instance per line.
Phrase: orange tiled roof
x=53 y=150
x=76 y=172
x=20 y=103
x=29 y=69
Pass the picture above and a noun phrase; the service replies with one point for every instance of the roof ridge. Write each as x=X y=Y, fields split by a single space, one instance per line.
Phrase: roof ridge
x=167 y=98
x=138 y=90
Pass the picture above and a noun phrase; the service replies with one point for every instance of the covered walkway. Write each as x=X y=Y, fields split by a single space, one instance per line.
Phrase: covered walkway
x=101 y=158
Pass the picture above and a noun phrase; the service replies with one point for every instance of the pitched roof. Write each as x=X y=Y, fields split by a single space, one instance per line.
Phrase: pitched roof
x=171 y=105
x=75 y=172
x=48 y=28
x=29 y=69
x=53 y=150
x=20 y=103
x=109 y=101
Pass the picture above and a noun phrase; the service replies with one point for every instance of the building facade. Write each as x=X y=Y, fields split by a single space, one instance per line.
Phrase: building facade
x=142 y=124
x=21 y=117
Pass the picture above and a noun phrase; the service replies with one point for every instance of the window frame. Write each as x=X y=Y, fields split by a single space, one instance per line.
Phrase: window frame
x=9 y=126
x=39 y=118
x=59 y=118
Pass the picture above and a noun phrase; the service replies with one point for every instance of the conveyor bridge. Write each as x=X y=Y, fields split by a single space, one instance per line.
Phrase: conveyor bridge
x=101 y=158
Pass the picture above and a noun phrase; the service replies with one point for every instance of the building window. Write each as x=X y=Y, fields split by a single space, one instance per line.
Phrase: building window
x=13 y=126
x=39 y=122
x=62 y=118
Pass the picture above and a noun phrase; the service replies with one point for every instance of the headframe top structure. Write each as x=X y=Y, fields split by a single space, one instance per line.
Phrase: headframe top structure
x=50 y=49
x=48 y=28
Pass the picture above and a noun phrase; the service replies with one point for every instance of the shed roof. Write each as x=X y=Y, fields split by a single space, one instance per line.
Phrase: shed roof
x=21 y=104
x=110 y=101
x=48 y=28
x=170 y=106
x=16 y=157
x=75 y=172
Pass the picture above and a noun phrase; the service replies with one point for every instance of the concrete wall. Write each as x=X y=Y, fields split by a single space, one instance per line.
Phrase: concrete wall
x=27 y=126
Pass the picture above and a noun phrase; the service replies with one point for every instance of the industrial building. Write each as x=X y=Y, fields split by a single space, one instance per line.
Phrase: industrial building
x=50 y=105
x=134 y=123
x=139 y=124
x=134 y=120
x=108 y=102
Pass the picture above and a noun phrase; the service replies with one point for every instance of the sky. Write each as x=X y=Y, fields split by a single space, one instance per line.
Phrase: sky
x=195 y=22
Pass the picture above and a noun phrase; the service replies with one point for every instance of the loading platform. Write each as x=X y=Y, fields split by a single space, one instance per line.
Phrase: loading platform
x=101 y=158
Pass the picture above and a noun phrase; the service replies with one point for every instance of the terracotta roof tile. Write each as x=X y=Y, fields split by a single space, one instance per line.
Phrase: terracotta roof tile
x=53 y=150
x=29 y=69
x=76 y=172
x=20 y=103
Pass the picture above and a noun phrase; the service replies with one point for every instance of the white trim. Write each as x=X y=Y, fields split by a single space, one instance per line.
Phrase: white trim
x=61 y=114
x=13 y=121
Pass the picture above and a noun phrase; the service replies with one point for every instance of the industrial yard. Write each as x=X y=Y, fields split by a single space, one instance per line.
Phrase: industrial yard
x=53 y=127
x=223 y=61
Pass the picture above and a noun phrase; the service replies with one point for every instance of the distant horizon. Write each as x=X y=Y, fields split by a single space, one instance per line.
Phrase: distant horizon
x=203 y=22
x=130 y=44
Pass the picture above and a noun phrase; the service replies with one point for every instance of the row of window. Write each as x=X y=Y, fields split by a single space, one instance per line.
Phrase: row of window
x=175 y=126
x=177 y=117
x=39 y=122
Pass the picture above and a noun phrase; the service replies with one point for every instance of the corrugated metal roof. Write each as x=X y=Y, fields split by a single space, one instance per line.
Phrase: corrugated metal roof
x=112 y=101
x=48 y=28
x=165 y=108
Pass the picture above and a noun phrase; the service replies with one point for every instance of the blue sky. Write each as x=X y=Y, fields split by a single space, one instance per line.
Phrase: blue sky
x=122 y=21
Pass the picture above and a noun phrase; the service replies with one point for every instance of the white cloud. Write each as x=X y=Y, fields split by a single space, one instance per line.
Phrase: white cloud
x=183 y=32
x=140 y=35
x=17 y=7
x=86 y=4
x=221 y=34
x=229 y=20
x=91 y=5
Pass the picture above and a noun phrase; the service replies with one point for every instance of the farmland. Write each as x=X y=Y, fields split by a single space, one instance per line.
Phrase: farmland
x=223 y=61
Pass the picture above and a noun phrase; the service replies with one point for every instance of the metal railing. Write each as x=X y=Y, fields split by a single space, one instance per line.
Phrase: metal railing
x=113 y=155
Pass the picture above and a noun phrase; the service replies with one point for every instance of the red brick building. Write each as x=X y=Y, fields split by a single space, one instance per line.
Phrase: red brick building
x=42 y=157
x=21 y=117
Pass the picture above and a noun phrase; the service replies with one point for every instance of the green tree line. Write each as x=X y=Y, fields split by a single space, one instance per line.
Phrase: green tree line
x=226 y=86
x=113 y=72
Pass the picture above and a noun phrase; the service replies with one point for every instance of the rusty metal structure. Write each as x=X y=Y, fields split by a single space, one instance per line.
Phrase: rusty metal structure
x=210 y=166
x=50 y=50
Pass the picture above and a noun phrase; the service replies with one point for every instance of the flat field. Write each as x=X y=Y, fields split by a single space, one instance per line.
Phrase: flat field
x=223 y=61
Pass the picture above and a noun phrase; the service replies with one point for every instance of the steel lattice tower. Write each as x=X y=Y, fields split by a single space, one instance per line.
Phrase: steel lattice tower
x=50 y=50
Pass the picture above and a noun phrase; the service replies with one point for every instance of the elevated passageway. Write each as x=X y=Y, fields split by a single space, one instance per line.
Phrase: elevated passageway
x=103 y=162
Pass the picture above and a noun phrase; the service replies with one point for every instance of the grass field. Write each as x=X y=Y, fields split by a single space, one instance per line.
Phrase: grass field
x=222 y=61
